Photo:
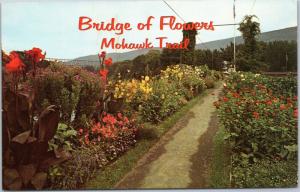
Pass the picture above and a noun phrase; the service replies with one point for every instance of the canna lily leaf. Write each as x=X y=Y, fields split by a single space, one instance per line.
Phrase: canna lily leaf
x=27 y=172
x=39 y=180
x=22 y=138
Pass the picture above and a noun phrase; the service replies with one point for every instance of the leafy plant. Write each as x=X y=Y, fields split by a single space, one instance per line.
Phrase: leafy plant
x=64 y=138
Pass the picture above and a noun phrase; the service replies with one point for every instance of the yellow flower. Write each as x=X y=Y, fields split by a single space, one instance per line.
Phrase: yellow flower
x=147 y=78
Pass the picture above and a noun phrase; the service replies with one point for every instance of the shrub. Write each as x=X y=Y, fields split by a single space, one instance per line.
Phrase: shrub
x=73 y=89
x=164 y=101
x=209 y=82
x=86 y=161
x=65 y=137
x=259 y=122
x=108 y=127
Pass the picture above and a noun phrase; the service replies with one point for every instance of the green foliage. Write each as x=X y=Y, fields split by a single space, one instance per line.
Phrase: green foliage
x=266 y=174
x=250 y=30
x=220 y=165
x=209 y=82
x=171 y=90
x=260 y=122
x=87 y=161
x=164 y=101
x=73 y=89
x=65 y=137
x=252 y=64
x=280 y=55
x=259 y=114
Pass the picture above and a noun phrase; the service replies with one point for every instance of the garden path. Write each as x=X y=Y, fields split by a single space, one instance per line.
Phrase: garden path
x=181 y=157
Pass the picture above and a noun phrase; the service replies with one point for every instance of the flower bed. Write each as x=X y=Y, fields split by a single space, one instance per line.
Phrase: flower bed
x=260 y=117
x=72 y=122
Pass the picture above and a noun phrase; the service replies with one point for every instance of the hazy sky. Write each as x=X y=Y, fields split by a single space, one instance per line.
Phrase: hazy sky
x=53 y=25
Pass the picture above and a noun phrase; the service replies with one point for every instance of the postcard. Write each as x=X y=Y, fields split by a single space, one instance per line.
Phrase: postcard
x=139 y=94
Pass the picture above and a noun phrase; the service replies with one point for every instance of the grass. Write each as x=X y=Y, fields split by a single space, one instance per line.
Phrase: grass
x=108 y=177
x=264 y=173
x=220 y=169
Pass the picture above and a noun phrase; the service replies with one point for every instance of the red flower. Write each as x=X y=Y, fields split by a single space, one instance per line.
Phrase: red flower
x=236 y=95
x=103 y=73
x=102 y=55
x=109 y=119
x=126 y=120
x=296 y=113
x=80 y=131
x=35 y=54
x=255 y=115
x=295 y=98
x=86 y=139
x=108 y=62
x=96 y=128
x=282 y=107
x=225 y=99
x=119 y=115
x=269 y=102
x=15 y=64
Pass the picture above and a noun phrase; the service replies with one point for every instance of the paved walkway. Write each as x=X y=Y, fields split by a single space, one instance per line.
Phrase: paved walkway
x=181 y=158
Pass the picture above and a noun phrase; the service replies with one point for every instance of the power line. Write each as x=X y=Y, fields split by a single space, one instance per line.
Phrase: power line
x=173 y=10
x=227 y=24
x=181 y=19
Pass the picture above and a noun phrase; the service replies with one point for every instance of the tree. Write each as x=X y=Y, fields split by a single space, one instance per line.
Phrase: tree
x=250 y=30
x=191 y=35
x=187 y=56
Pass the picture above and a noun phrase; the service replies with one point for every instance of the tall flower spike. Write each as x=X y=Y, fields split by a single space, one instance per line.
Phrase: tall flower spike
x=15 y=64
x=35 y=54
x=108 y=62
x=102 y=55
x=103 y=73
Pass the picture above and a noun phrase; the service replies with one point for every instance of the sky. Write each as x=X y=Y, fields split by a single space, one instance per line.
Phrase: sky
x=53 y=25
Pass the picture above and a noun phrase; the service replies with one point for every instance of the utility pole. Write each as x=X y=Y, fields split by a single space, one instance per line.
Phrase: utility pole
x=234 y=67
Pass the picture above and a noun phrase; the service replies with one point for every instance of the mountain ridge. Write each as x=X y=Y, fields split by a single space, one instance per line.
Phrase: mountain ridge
x=289 y=34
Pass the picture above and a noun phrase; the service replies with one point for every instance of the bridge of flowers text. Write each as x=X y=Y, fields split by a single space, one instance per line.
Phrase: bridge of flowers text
x=165 y=22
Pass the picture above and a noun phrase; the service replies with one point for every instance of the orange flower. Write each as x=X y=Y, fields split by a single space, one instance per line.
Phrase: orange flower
x=235 y=95
x=108 y=62
x=103 y=73
x=296 y=113
x=269 y=102
x=282 y=107
x=15 y=64
x=255 y=115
